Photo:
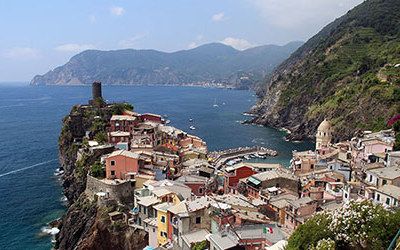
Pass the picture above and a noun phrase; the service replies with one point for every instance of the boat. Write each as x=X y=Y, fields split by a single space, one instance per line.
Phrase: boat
x=215 y=105
x=167 y=122
x=192 y=127
x=190 y=119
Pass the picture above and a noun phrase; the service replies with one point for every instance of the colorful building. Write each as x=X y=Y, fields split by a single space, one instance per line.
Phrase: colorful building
x=122 y=164
x=233 y=174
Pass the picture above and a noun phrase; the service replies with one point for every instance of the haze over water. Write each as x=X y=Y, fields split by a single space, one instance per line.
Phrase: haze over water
x=30 y=122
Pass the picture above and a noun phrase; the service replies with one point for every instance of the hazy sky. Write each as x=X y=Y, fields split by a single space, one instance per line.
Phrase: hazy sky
x=37 y=36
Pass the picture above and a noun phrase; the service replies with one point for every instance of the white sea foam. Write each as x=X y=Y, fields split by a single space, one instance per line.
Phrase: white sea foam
x=25 y=168
x=50 y=230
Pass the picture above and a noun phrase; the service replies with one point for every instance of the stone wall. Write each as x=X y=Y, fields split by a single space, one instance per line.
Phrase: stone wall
x=123 y=192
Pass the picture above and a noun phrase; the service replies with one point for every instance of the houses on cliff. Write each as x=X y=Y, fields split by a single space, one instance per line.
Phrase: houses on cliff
x=184 y=196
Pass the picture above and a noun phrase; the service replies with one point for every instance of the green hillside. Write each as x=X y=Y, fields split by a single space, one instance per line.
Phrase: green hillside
x=349 y=73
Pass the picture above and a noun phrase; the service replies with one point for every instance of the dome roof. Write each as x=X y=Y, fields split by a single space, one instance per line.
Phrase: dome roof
x=325 y=126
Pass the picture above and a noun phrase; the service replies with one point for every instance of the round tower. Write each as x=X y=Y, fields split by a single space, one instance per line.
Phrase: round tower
x=324 y=135
x=96 y=90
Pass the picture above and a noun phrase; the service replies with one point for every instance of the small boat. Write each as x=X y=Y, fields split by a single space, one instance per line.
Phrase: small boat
x=190 y=119
x=167 y=122
x=192 y=127
x=215 y=105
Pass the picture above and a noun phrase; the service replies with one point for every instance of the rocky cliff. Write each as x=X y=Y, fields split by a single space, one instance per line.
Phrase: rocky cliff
x=86 y=225
x=349 y=73
x=210 y=63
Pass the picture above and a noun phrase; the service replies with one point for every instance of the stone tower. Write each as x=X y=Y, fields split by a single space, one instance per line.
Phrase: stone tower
x=96 y=90
x=324 y=135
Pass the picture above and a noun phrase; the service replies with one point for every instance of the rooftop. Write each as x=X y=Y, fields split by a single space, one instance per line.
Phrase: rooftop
x=123 y=118
x=390 y=190
x=124 y=153
x=151 y=221
x=234 y=200
x=387 y=173
x=196 y=236
x=172 y=186
x=119 y=133
x=148 y=201
x=281 y=201
x=257 y=231
x=161 y=191
x=300 y=202
x=273 y=174
x=192 y=179
x=224 y=241
x=163 y=206
x=179 y=209
x=199 y=203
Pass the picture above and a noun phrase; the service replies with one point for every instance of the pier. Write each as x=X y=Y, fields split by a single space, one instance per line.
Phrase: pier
x=223 y=157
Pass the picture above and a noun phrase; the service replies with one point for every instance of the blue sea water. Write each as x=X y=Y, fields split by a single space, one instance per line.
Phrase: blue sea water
x=30 y=122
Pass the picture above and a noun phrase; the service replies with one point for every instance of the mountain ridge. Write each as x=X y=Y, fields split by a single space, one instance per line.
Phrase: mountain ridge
x=209 y=63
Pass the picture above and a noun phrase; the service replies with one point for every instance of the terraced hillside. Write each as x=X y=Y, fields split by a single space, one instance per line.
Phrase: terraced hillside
x=349 y=73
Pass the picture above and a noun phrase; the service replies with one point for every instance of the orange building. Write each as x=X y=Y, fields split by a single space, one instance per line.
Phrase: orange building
x=122 y=164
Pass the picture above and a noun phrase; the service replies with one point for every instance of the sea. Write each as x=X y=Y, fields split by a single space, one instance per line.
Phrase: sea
x=30 y=123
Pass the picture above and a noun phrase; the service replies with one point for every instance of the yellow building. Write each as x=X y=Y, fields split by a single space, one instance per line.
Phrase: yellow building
x=162 y=222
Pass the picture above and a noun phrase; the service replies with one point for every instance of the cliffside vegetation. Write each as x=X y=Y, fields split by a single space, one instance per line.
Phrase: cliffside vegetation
x=349 y=73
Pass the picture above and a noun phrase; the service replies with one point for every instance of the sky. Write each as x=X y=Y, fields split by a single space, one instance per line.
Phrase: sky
x=37 y=36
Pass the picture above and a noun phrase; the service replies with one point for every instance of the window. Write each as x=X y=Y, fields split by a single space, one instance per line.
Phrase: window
x=384 y=182
x=378 y=197
x=345 y=195
x=163 y=219
x=163 y=234
x=145 y=210
x=370 y=178
x=201 y=191
x=312 y=166
x=154 y=230
x=112 y=163
x=388 y=201
x=198 y=220
x=112 y=172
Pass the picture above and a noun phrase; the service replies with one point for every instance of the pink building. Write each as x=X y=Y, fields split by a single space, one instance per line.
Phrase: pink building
x=376 y=146
x=122 y=164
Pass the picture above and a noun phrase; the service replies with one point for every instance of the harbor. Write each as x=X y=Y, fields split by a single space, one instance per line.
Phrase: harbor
x=230 y=157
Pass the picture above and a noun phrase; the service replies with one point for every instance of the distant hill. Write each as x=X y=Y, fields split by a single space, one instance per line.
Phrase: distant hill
x=349 y=73
x=210 y=63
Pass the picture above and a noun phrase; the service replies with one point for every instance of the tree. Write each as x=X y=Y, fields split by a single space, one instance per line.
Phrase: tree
x=101 y=137
x=119 y=108
x=97 y=170
x=200 y=245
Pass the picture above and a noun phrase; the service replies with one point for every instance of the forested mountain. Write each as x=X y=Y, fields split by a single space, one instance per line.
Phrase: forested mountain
x=210 y=63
